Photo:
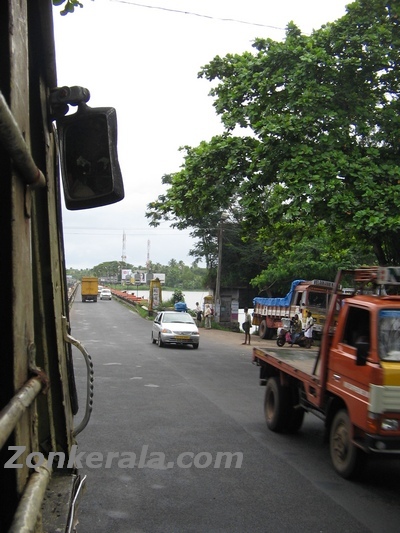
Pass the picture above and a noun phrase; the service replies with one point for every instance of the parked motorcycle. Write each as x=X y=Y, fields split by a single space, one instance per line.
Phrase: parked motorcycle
x=288 y=336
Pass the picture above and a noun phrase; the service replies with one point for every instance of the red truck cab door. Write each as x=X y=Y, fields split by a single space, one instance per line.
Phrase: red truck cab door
x=352 y=367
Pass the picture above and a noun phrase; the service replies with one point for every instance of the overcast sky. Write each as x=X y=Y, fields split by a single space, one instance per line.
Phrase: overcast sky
x=143 y=59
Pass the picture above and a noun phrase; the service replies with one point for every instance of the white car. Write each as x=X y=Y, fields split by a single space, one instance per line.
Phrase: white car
x=174 y=327
x=105 y=294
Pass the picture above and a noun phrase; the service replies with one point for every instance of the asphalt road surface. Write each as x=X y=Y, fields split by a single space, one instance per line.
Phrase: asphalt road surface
x=184 y=415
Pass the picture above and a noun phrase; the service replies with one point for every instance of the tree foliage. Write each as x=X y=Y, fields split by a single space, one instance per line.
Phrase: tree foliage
x=325 y=109
x=206 y=188
x=177 y=274
x=69 y=6
x=315 y=179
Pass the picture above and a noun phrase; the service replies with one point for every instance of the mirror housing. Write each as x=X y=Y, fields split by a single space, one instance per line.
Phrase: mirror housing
x=362 y=348
x=90 y=169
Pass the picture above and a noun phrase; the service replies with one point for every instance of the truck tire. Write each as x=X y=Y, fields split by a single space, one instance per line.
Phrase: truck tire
x=347 y=458
x=295 y=419
x=276 y=404
x=264 y=331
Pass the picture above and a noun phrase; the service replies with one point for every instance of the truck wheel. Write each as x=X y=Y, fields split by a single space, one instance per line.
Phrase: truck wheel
x=275 y=405
x=270 y=333
x=346 y=458
x=263 y=330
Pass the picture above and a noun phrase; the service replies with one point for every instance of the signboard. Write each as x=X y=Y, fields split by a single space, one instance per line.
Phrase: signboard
x=156 y=296
x=126 y=274
x=389 y=275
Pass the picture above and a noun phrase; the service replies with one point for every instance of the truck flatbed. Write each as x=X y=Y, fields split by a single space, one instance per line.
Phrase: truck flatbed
x=296 y=362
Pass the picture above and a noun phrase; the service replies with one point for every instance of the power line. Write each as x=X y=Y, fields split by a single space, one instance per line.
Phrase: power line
x=191 y=13
x=112 y=232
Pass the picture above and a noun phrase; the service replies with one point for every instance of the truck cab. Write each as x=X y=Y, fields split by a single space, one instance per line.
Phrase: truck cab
x=364 y=369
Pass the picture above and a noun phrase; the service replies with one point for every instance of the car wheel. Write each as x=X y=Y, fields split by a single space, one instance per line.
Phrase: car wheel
x=160 y=342
x=195 y=346
x=153 y=340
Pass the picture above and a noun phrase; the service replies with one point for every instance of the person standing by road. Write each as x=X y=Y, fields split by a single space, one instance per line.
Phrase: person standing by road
x=308 y=332
x=246 y=326
x=207 y=317
x=199 y=314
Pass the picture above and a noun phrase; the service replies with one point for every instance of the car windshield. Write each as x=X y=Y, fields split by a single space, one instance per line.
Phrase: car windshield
x=177 y=317
x=389 y=335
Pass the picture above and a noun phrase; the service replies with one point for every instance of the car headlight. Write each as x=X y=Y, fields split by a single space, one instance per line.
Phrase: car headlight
x=166 y=330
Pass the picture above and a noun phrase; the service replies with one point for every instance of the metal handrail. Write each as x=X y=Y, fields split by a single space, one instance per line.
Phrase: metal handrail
x=12 y=412
x=89 y=380
x=25 y=518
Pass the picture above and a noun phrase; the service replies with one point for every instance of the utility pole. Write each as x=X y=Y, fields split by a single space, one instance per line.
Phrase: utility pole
x=224 y=217
x=148 y=255
x=123 y=256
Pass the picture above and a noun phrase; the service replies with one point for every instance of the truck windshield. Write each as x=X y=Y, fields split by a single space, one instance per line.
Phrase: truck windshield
x=317 y=299
x=389 y=335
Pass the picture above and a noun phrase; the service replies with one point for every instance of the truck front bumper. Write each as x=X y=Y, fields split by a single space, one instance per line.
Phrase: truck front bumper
x=382 y=444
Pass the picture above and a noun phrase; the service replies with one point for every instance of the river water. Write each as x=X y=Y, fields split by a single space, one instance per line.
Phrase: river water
x=191 y=297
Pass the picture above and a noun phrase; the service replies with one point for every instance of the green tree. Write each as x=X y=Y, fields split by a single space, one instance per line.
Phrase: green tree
x=110 y=269
x=207 y=186
x=69 y=6
x=315 y=180
x=325 y=110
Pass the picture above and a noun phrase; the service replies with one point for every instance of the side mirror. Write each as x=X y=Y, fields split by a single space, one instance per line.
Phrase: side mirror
x=90 y=169
x=362 y=348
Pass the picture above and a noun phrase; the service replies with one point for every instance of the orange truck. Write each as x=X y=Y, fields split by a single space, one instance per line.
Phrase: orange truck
x=352 y=382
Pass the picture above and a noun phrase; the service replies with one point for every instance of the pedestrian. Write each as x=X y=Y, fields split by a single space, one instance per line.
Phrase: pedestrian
x=199 y=314
x=246 y=326
x=207 y=317
x=296 y=327
x=308 y=332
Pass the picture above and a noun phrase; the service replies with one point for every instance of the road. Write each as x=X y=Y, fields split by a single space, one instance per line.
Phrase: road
x=177 y=409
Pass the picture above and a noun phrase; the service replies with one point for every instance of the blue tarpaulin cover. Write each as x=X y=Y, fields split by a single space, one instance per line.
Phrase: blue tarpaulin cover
x=281 y=302
x=180 y=306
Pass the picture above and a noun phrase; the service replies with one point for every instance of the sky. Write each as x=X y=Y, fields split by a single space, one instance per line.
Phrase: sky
x=143 y=59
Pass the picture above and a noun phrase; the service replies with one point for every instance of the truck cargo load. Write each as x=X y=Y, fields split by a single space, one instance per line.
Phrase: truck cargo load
x=89 y=289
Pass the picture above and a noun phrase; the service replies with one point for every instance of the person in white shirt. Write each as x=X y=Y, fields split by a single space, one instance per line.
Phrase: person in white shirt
x=246 y=326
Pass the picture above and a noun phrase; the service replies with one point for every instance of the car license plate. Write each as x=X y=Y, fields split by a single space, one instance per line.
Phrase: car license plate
x=183 y=337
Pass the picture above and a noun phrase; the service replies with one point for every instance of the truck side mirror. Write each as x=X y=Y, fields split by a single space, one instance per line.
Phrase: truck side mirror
x=362 y=348
x=90 y=169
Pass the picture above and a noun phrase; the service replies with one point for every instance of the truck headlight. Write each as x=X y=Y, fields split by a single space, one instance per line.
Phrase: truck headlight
x=390 y=424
